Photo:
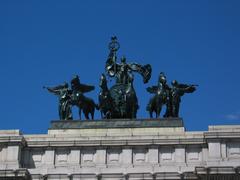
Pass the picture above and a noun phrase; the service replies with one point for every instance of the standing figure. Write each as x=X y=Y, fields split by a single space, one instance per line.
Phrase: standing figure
x=123 y=72
x=161 y=96
x=64 y=106
x=176 y=92
x=123 y=93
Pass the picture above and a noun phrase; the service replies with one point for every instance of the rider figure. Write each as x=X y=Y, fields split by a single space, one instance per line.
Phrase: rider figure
x=177 y=91
x=64 y=94
x=160 y=98
x=123 y=93
x=123 y=73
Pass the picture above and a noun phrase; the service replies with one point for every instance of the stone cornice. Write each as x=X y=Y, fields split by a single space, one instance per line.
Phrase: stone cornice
x=166 y=137
x=18 y=173
x=117 y=141
x=221 y=135
x=12 y=140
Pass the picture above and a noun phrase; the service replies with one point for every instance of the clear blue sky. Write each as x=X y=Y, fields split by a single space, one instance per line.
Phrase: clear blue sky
x=47 y=42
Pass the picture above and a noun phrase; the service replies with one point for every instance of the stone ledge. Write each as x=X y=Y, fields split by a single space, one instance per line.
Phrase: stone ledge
x=116 y=132
x=224 y=128
x=147 y=172
x=223 y=135
x=16 y=174
x=12 y=140
x=10 y=132
x=129 y=142
x=117 y=123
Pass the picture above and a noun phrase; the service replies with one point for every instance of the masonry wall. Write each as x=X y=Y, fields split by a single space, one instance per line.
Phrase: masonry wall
x=156 y=153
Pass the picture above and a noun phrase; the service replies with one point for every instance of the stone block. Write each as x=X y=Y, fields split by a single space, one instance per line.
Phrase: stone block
x=180 y=155
x=127 y=156
x=117 y=123
x=153 y=155
x=114 y=156
x=48 y=157
x=74 y=156
x=167 y=154
x=214 y=149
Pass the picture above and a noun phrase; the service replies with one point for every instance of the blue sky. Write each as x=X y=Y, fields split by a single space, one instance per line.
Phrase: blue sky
x=47 y=42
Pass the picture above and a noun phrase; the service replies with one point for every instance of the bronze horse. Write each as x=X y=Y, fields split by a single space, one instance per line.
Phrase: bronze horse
x=105 y=99
x=160 y=98
x=156 y=102
x=118 y=102
x=85 y=104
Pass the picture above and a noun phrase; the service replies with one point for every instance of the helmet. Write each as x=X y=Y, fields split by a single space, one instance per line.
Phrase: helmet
x=162 y=78
x=65 y=85
x=174 y=83
x=123 y=59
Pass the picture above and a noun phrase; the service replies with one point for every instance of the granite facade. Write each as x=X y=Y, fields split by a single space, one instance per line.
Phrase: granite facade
x=121 y=153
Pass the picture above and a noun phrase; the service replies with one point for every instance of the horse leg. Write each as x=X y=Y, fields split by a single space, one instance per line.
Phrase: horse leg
x=108 y=114
x=133 y=113
x=85 y=112
x=158 y=111
x=80 y=113
x=92 y=109
x=151 y=114
x=86 y=116
x=92 y=114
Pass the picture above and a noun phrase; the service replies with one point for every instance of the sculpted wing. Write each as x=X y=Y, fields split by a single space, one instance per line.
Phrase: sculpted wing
x=85 y=88
x=187 y=88
x=145 y=71
x=152 y=89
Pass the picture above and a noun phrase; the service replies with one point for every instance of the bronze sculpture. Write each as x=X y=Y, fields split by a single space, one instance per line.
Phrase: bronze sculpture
x=161 y=96
x=85 y=104
x=123 y=72
x=122 y=94
x=106 y=105
x=64 y=106
x=176 y=92
x=169 y=96
x=120 y=100
x=74 y=97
